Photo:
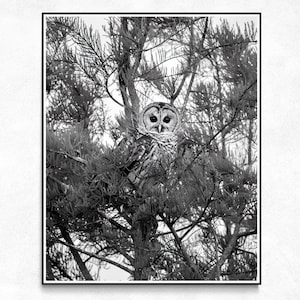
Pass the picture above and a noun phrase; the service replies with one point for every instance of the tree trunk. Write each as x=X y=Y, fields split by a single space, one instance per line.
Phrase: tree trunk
x=250 y=137
x=143 y=230
x=222 y=118
x=126 y=71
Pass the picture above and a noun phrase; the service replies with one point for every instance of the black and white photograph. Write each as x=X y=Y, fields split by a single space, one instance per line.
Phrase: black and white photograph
x=151 y=148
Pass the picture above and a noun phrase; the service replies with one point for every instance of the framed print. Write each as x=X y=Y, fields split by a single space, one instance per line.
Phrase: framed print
x=151 y=148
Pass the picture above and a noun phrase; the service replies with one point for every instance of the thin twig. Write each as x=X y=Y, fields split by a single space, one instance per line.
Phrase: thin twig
x=76 y=158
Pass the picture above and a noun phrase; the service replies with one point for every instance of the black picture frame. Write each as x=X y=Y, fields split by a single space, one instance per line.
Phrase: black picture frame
x=183 y=282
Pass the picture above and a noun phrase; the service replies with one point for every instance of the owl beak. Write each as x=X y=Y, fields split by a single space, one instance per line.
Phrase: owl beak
x=159 y=128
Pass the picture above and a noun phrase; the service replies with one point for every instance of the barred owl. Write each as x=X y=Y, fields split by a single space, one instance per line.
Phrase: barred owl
x=156 y=144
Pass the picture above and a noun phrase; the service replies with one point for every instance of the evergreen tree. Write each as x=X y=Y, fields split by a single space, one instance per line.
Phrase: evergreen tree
x=204 y=223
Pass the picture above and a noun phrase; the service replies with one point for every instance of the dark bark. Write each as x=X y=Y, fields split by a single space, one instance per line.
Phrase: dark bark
x=250 y=137
x=86 y=274
x=142 y=234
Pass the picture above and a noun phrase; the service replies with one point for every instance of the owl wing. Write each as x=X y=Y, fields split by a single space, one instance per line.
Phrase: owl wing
x=137 y=159
x=185 y=150
x=150 y=159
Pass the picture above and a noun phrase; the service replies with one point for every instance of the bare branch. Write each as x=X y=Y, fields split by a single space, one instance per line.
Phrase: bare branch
x=194 y=62
x=76 y=158
x=101 y=258
x=180 y=246
x=228 y=250
x=86 y=274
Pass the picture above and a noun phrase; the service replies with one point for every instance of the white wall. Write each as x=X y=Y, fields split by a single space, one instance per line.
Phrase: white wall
x=20 y=136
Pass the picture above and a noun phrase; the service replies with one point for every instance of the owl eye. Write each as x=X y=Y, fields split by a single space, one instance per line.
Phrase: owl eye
x=166 y=119
x=153 y=119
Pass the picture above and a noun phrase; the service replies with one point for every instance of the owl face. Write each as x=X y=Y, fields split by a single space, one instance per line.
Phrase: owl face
x=160 y=117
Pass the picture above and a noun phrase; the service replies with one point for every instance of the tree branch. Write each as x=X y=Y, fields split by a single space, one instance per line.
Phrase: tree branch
x=104 y=259
x=178 y=242
x=227 y=251
x=76 y=158
x=194 y=64
x=113 y=222
x=55 y=264
x=222 y=128
x=86 y=274
x=234 y=115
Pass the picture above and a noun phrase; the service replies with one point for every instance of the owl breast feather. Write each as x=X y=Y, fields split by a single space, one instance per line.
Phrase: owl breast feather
x=157 y=159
